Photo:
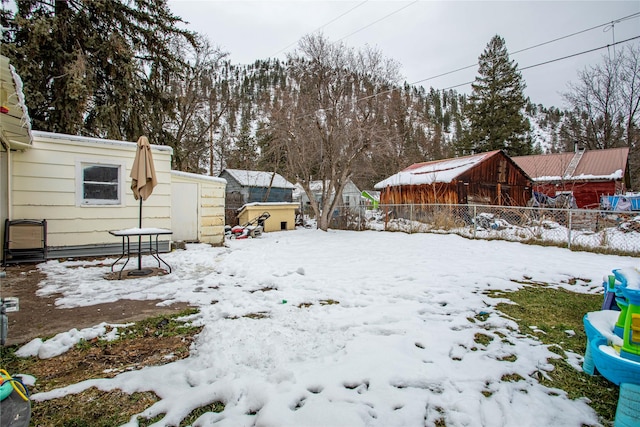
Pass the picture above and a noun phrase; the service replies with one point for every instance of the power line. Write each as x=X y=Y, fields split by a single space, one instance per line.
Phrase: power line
x=528 y=48
x=356 y=31
x=324 y=25
x=558 y=59
x=375 y=22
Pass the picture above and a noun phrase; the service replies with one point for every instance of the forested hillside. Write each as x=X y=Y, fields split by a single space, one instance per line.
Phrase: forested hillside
x=427 y=123
x=121 y=69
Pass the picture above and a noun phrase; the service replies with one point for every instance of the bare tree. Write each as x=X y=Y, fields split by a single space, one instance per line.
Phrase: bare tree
x=332 y=118
x=605 y=103
x=187 y=124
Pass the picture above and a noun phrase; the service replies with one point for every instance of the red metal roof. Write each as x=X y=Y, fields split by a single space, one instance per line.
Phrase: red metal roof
x=609 y=164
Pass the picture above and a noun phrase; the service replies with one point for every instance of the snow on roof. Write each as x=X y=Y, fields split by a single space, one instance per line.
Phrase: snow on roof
x=85 y=140
x=199 y=176
x=437 y=171
x=15 y=123
x=259 y=179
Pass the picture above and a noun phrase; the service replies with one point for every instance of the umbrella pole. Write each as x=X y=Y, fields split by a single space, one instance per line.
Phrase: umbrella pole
x=140 y=237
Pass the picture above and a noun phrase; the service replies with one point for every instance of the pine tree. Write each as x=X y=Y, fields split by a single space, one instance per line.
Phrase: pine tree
x=95 y=67
x=496 y=106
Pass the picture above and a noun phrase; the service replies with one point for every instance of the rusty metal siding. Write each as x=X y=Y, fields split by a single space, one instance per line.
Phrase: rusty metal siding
x=587 y=194
x=497 y=180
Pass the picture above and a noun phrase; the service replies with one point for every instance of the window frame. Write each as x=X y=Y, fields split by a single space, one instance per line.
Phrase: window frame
x=80 y=167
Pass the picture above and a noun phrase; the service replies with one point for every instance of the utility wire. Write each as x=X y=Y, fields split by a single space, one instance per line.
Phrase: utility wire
x=530 y=47
x=519 y=69
x=375 y=22
x=322 y=26
x=356 y=31
x=557 y=59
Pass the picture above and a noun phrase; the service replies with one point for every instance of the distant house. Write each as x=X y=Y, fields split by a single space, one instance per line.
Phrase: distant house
x=351 y=195
x=491 y=178
x=587 y=174
x=245 y=186
x=371 y=198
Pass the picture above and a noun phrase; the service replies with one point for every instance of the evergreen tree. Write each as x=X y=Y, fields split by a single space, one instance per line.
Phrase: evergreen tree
x=95 y=67
x=495 y=107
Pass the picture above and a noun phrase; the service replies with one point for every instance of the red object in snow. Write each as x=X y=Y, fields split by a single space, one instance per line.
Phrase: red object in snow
x=4 y=110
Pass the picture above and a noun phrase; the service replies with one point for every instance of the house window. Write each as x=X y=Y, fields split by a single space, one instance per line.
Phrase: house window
x=99 y=183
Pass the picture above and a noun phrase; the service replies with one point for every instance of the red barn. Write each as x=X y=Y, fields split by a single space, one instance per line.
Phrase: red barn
x=585 y=174
x=491 y=178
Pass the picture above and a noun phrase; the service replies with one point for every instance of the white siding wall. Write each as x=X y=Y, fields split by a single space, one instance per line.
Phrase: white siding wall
x=211 y=192
x=44 y=187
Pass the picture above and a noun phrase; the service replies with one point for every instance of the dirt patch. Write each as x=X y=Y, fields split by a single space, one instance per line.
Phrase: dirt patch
x=39 y=317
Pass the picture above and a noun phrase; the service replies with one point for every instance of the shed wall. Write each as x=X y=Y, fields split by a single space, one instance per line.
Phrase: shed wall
x=587 y=194
x=211 y=202
x=494 y=181
x=280 y=213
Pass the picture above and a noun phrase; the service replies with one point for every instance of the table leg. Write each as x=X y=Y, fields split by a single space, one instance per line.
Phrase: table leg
x=120 y=257
x=156 y=255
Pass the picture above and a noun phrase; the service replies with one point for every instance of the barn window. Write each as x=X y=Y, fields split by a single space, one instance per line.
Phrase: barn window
x=99 y=183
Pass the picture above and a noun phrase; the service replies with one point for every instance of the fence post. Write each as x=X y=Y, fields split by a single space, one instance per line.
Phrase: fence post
x=411 y=219
x=569 y=232
x=473 y=221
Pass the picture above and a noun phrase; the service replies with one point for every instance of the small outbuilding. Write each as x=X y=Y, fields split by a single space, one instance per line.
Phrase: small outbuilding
x=197 y=208
x=282 y=216
x=491 y=178
x=246 y=186
x=586 y=174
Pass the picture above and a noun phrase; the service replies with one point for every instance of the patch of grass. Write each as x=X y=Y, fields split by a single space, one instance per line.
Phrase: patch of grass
x=265 y=289
x=482 y=339
x=91 y=408
x=196 y=413
x=509 y=358
x=257 y=315
x=556 y=311
x=328 y=302
x=159 y=326
x=154 y=341
x=512 y=378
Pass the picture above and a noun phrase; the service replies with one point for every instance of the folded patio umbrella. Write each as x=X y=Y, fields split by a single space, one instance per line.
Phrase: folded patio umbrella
x=143 y=172
x=143 y=179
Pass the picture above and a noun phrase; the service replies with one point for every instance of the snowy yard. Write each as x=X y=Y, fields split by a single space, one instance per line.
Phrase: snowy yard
x=346 y=329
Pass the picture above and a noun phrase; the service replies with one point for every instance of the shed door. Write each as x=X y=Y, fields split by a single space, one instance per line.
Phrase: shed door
x=184 y=211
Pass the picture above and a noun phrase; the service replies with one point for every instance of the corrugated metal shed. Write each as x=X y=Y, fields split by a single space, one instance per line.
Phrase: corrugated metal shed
x=587 y=175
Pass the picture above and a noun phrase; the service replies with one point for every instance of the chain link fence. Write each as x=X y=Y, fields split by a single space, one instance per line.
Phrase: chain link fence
x=580 y=229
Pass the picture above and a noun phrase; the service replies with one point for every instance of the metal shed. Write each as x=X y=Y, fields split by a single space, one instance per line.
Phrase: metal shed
x=587 y=174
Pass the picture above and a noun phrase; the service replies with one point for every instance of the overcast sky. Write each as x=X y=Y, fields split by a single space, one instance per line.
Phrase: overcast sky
x=427 y=38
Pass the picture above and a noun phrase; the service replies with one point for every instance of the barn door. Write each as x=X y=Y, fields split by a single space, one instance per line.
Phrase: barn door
x=184 y=211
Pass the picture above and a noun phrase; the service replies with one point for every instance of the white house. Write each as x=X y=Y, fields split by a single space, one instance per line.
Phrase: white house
x=81 y=187
x=351 y=195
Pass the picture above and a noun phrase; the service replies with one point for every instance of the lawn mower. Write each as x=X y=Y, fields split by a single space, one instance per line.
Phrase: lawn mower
x=252 y=228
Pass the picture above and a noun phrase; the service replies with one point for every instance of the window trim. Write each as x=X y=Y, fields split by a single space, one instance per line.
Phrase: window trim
x=81 y=164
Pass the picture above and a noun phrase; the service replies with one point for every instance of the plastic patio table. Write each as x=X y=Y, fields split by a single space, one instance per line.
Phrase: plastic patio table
x=140 y=232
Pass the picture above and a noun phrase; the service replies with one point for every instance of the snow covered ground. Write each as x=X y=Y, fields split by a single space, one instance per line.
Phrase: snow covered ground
x=358 y=329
